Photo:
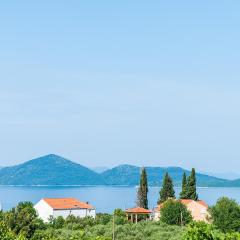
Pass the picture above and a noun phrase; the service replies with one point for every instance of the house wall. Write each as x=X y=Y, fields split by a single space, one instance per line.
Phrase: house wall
x=156 y=215
x=75 y=212
x=199 y=212
x=44 y=211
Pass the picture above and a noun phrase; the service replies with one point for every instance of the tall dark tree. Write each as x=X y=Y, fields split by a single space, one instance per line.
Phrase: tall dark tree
x=183 y=193
x=192 y=186
x=142 y=198
x=167 y=190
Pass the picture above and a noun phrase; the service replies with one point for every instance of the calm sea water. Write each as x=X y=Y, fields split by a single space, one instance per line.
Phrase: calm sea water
x=105 y=199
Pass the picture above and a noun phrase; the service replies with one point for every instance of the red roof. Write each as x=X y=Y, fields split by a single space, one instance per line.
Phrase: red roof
x=186 y=201
x=67 y=203
x=202 y=203
x=138 y=210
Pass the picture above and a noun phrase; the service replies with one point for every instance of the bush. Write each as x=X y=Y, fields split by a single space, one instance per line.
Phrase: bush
x=103 y=218
x=226 y=215
x=175 y=213
x=5 y=233
x=57 y=223
x=198 y=231
x=77 y=223
x=23 y=219
x=120 y=217
x=203 y=231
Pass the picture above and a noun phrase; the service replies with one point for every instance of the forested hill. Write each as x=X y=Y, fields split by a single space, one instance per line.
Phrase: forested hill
x=56 y=170
x=129 y=175
x=49 y=170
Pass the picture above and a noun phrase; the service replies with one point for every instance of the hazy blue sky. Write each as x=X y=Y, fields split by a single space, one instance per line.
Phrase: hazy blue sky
x=110 y=82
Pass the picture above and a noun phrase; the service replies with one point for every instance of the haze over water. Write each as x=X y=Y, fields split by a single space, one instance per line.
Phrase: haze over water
x=105 y=199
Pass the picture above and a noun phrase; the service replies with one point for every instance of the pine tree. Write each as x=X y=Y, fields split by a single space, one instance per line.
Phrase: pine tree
x=183 y=193
x=142 y=199
x=167 y=190
x=191 y=186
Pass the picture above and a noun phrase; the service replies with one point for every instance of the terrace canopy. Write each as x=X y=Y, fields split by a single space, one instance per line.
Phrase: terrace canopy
x=133 y=213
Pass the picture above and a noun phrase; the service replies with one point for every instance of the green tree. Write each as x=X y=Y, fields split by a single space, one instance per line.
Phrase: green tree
x=192 y=186
x=167 y=190
x=226 y=215
x=103 y=218
x=57 y=223
x=23 y=219
x=5 y=232
x=142 y=198
x=199 y=231
x=183 y=193
x=175 y=213
x=120 y=216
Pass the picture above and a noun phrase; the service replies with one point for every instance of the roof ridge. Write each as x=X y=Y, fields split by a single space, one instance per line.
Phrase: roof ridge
x=67 y=203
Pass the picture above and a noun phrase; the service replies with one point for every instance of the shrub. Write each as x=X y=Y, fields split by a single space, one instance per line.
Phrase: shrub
x=120 y=217
x=57 y=223
x=198 y=231
x=103 y=218
x=5 y=233
x=226 y=215
x=175 y=213
x=203 y=231
x=23 y=219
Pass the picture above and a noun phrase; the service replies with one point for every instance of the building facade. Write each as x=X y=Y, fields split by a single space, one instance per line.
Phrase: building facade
x=64 y=207
x=198 y=210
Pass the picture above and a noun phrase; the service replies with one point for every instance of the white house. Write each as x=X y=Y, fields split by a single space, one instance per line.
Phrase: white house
x=55 y=207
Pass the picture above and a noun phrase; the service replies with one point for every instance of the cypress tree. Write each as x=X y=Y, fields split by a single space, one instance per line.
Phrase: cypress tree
x=183 y=193
x=142 y=199
x=191 y=186
x=167 y=190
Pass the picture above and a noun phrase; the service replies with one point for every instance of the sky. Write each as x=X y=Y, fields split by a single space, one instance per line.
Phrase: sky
x=110 y=82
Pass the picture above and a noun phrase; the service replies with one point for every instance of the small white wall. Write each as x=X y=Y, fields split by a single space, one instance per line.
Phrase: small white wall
x=91 y=213
x=75 y=212
x=156 y=215
x=44 y=211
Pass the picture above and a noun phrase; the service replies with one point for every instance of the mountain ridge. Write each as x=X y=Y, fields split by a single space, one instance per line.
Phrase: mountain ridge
x=56 y=170
x=129 y=175
x=49 y=170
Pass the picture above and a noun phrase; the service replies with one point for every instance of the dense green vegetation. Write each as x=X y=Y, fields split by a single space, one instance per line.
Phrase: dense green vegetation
x=226 y=215
x=203 y=231
x=13 y=226
x=175 y=213
x=22 y=223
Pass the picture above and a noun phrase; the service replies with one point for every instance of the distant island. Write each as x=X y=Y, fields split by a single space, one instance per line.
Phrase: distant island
x=55 y=170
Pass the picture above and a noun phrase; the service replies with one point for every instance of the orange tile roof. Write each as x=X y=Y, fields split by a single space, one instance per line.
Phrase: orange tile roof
x=187 y=201
x=67 y=203
x=202 y=203
x=138 y=210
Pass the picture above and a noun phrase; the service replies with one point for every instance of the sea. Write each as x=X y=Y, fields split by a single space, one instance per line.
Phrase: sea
x=104 y=198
